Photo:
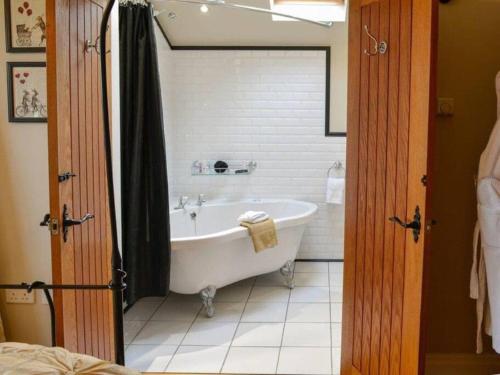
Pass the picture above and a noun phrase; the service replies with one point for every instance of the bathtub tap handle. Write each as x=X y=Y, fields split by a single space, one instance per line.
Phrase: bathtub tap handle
x=183 y=200
x=201 y=200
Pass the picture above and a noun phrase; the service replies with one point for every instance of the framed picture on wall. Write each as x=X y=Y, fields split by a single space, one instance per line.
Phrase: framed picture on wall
x=27 y=91
x=25 y=26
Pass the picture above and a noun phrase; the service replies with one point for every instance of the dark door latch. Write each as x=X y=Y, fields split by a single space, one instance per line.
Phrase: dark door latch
x=65 y=176
x=46 y=221
x=50 y=223
x=414 y=225
x=69 y=222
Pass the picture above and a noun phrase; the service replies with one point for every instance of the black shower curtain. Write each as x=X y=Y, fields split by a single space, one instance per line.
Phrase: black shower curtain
x=145 y=211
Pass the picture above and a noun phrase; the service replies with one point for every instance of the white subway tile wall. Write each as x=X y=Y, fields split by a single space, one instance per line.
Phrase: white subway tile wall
x=267 y=106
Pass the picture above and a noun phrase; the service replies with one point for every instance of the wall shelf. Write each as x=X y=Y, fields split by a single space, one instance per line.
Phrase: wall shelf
x=222 y=167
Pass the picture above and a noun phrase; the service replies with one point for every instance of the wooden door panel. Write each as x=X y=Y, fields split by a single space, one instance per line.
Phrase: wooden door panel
x=371 y=169
x=380 y=330
x=361 y=181
x=380 y=215
x=421 y=133
x=76 y=144
x=387 y=323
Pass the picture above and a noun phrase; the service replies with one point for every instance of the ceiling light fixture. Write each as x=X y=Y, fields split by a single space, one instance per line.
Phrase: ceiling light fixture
x=204 y=8
x=249 y=8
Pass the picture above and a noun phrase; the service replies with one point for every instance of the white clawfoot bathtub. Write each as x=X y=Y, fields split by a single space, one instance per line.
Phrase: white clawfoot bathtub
x=210 y=250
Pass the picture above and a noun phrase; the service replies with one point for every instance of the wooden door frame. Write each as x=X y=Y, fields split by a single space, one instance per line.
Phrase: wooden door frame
x=424 y=17
x=424 y=33
x=422 y=82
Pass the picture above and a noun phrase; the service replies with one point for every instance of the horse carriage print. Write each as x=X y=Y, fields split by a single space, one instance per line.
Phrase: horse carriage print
x=23 y=36
x=26 y=26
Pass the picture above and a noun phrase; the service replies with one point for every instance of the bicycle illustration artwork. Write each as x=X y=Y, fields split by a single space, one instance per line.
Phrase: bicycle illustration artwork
x=31 y=106
x=27 y=91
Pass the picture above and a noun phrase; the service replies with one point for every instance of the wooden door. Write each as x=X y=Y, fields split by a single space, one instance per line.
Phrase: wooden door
x=84 y=318
x=388 y=142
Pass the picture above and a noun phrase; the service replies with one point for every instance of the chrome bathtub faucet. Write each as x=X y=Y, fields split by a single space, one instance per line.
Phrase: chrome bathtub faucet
x=201 y=200
x=183 y=200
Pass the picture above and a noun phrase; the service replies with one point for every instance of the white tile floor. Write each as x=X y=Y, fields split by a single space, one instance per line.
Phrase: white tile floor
x=260 y=327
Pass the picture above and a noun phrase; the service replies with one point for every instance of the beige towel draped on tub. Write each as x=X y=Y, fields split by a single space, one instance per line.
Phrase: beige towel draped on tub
x=263 y=234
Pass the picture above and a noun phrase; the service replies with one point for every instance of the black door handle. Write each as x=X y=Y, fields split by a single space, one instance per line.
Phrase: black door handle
x=69 y=222
x=411 y=225
x=414 y=225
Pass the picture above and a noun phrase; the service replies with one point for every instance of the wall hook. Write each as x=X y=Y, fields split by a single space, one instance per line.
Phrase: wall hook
x=378 y=48
x=89 y=45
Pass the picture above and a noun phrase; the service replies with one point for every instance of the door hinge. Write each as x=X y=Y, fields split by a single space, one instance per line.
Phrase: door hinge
x=424 y=179
x=51 y=223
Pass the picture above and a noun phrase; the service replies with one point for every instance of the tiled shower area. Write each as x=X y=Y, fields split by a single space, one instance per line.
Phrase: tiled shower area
x=260 y=327
x=266 y=106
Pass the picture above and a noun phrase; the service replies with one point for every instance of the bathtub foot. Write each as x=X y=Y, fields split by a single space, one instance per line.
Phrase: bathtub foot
x=207 y=297
x=288 y=272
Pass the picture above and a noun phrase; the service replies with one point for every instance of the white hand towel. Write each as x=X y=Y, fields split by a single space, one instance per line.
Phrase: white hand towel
x=335 y=187
x=253 y=217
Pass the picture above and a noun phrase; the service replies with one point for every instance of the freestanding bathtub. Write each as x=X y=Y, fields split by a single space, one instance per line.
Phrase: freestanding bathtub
x=210 y=250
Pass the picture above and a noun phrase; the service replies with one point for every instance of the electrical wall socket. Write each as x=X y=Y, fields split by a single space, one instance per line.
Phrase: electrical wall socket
x=446 y=106
x=19 y=296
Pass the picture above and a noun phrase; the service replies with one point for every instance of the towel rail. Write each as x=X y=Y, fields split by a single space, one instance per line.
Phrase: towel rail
x=338 y=165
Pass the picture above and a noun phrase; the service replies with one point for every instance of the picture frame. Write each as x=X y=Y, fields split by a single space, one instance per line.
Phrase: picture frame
x=25 y=26
x=27 y=91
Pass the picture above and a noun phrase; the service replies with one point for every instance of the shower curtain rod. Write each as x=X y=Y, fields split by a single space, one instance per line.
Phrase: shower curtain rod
x=248 y=8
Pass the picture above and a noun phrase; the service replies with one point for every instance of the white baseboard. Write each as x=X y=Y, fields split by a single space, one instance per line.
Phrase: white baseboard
x=462 y=364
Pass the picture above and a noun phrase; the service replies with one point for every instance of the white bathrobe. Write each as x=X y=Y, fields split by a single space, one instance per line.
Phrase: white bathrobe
x=486 y=267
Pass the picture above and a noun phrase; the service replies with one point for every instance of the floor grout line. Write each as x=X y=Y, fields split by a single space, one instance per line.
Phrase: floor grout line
x=145 y=321
x=238 y=325
x=252 y=322
x=183 y=338
x=139 y=331
x=330 y=310
x=252 y=285
x=238 y=346
x=284 y=324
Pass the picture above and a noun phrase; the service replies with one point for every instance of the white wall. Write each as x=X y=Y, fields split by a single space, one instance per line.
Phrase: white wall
x=24 y=199
x=266 y=106
x=229 y=27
